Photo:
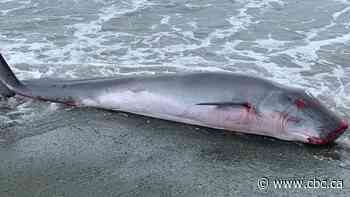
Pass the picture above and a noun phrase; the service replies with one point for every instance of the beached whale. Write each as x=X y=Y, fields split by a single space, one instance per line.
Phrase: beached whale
x=232 y=102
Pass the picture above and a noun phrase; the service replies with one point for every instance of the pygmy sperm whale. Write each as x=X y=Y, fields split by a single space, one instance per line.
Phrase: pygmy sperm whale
x=228 y=101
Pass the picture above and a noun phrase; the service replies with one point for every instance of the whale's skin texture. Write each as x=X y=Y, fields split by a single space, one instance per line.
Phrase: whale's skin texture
x=227 y=101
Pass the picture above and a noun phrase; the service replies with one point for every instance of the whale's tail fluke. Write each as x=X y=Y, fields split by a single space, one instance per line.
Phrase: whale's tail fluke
x=5 y=92
x=8 y=81
x=11 y=86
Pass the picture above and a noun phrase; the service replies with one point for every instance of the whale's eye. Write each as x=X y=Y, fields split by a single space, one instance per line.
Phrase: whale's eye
x=300 y=103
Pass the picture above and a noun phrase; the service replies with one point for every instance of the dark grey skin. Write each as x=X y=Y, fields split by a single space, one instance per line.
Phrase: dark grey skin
x=227 y=101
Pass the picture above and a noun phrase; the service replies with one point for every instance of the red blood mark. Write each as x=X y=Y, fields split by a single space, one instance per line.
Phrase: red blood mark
x=248 y=105
x=317 y=140
x=340 y=130
x=300 y=103
x=331 y=136
x=250 y=113
x=250 y=108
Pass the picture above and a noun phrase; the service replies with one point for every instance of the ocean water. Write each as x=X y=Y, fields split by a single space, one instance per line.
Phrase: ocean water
x=299 y=43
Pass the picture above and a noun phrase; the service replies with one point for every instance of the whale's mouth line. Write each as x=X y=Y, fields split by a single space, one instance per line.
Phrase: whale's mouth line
x=331 y=136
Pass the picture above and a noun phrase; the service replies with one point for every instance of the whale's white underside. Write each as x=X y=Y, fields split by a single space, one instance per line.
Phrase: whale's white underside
x=165 y=107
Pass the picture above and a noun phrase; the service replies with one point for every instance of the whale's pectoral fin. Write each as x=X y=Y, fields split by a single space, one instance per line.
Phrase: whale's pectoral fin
x=228 y=104
x=247 y=105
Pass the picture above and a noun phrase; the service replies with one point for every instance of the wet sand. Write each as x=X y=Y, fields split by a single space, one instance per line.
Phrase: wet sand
x=89 y=152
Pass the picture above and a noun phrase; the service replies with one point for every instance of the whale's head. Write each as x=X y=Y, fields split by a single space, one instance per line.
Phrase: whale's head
x=306 y=117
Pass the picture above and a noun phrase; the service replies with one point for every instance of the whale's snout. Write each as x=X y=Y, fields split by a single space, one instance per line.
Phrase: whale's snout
x=331 y=135
x=316 y=123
